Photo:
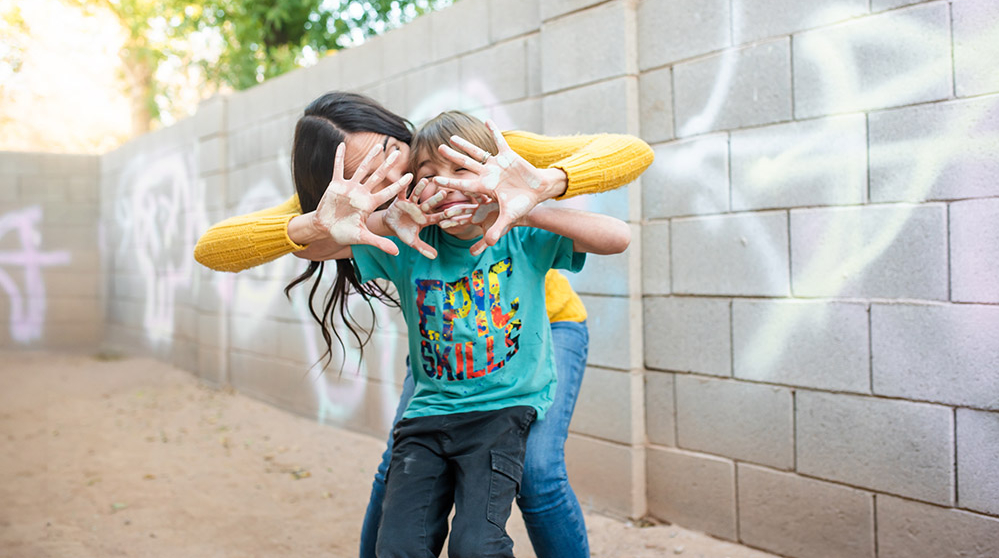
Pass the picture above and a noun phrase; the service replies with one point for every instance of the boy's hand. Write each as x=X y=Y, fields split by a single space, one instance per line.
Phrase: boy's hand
x=346 y=205
x=406 y=216
x=515 y=185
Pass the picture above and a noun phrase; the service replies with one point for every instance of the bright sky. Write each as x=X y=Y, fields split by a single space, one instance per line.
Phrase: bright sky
x=67 y=96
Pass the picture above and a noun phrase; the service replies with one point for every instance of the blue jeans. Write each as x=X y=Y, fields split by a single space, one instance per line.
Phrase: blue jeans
x=552 y=514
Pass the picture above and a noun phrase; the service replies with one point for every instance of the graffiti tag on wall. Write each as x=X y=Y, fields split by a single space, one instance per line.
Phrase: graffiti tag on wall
x=27 y=304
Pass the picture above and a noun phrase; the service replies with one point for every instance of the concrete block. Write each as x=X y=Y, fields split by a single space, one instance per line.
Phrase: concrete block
x=797 y=516
x=899 y=447
x=16 y=163
x=817 y=162
x=77 y=337
x=735 y=89
x=974 y=251
x=604 y=275
x=533 y=67
x=214 y=188
x=519 y=115
x=66 y=283
x=67 y=164
x=9 y=192
x=731 y=255
x=53 y=213
x=660 y=409
x=748 y=422
x=571 y=112
x=752 y=21
x=908 y=529
x=433 y=89
x=498 y=69
x=693 y=490
x=213 y=330
x=212 y=365
x=655 y=259
x=948 y=354
x=255 y=336
x=243 y=147
x=592 y=45
x=405 y=49
x=210 y=119
x=211 y=155
x=674 y=30
x=607 y=477
x=937 y=151
x=851 y=67
x=678 y=329
x=83 y=189
x=607 y=313
x=362 y=65
x=326 y=75
x=42 y=189
x=513 y=18
x=976 y=42
x=276 y=382
x=605 y=407
x=882 y=5
x=459 y=28
x=977 y=455
x=555 y=8
x=655 y=91
x=810 y=344
x=687 y=177
x=185 y=355
x=896 y=251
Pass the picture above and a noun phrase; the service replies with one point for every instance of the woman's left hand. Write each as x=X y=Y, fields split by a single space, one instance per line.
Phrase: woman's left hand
x=515 y=185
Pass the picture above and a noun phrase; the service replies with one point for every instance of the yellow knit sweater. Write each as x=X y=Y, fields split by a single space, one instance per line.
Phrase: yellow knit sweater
x=592 y=163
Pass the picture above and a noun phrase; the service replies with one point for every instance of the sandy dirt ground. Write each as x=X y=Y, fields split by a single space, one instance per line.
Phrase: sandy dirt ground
x=131 y=457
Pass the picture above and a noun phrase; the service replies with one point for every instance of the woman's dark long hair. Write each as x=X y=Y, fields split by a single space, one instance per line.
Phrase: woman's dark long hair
x=319 y=131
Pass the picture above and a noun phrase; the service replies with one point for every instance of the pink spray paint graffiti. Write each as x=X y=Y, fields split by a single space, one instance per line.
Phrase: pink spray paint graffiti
x=27 y=308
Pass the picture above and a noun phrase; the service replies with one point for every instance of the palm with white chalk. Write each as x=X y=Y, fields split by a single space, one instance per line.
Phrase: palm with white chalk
x=347 y=203
x=514 y=185
x=406 y=216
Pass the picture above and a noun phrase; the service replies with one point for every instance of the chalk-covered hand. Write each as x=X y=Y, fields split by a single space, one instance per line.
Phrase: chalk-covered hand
x=514 y=185
x=346 y=205
x=406 y=216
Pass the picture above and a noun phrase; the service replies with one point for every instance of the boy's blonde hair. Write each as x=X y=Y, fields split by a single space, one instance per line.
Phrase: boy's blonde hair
x=439 y=131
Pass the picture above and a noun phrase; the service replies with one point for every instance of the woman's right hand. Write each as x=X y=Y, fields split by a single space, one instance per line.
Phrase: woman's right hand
x=346 y=205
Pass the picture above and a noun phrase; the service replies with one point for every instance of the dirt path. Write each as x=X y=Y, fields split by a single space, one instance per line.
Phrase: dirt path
x=136 y=458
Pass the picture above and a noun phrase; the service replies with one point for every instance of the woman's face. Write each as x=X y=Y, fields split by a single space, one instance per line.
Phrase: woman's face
x=358 y=146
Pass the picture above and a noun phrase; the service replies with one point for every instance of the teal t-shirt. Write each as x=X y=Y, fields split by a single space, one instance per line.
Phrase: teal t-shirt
x=479 y=336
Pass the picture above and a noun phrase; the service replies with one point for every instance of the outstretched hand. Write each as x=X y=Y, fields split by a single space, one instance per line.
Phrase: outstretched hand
x=346 y=205
x=514 y=185
x=406 y=216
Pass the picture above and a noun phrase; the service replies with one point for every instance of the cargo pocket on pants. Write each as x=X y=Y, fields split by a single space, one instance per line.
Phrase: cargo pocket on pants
x=504 y=484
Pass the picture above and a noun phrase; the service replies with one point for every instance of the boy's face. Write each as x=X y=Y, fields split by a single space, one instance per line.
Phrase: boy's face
x=436 y=166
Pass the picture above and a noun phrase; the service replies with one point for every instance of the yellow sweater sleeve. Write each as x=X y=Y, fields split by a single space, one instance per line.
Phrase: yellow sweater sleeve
x=593 y=163
x=249 y=240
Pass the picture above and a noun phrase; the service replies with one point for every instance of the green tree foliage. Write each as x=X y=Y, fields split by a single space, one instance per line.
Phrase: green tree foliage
x=239 y=43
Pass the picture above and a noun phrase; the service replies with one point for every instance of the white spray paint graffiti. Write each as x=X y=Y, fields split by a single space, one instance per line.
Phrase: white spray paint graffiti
x=157 y=213
x=253 y=294
x=27 y=308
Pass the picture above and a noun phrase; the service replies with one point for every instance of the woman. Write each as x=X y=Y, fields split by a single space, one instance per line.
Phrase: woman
x=537 y=167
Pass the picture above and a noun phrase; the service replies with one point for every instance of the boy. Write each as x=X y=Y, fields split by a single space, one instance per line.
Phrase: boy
x=480 y=348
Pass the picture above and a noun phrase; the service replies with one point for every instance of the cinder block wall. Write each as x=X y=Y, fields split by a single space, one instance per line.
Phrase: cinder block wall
x=820 y=270
x=800 y=350
x=50 y=265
